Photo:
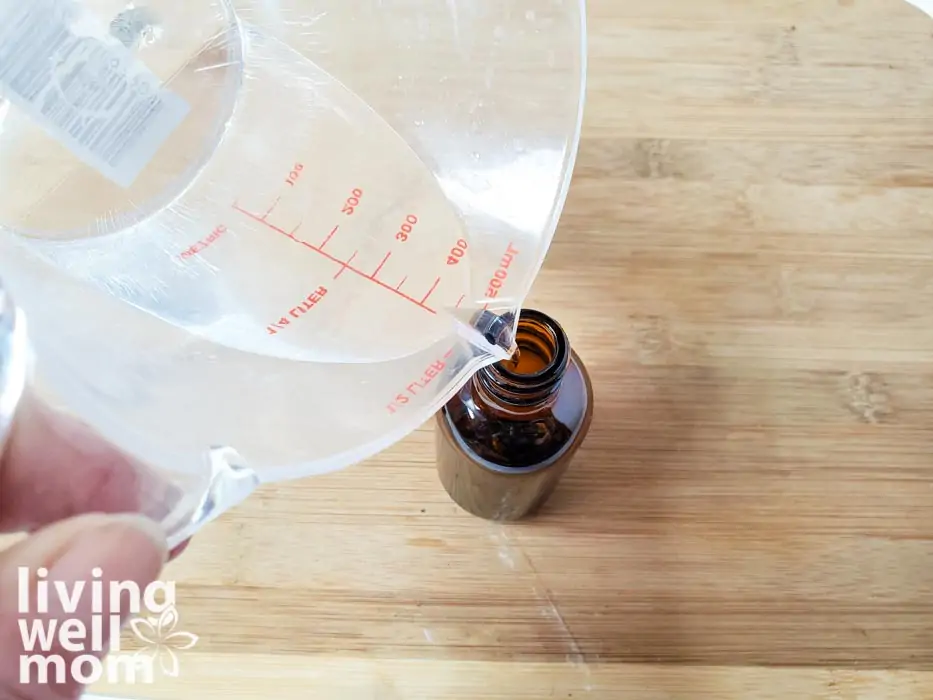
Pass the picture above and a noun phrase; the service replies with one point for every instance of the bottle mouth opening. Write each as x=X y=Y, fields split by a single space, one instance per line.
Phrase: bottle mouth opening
x=538 y=365
x=541 y=349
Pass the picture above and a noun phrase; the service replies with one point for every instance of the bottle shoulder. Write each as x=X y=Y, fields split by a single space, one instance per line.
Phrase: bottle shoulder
x=521 y=439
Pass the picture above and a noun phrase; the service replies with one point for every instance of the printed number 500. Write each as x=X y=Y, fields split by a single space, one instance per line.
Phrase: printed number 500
x=353 y=202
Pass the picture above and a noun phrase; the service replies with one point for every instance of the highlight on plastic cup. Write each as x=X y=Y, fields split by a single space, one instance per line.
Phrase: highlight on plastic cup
x=925 y=6
x=250 y=249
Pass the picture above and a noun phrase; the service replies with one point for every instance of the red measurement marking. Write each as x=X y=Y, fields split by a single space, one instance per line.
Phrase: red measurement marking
x=460 y=301
x=329 y=235
x=457 y=252
x=312 y=300
x=382 y=264
x=427 y=377
x=404 y=279
x=272 y=208
x=353 y=201
x=294 y=175
x=212 y=238
x=406 y=228
x=502 y=273
x=431 y=291
x=345 y=264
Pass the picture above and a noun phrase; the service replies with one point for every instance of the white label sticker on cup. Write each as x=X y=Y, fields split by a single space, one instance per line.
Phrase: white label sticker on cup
x=88 y=92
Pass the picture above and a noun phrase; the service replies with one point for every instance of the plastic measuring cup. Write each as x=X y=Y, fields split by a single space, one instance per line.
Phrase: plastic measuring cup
x=257 y=241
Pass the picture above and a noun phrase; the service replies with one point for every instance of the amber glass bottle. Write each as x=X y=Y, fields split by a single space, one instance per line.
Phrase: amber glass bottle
x=506 y=439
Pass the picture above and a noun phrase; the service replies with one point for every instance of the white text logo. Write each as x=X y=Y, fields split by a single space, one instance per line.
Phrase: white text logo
x=68 y=632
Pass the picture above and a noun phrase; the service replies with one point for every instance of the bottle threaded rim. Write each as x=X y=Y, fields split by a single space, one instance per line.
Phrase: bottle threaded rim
x=545 y=339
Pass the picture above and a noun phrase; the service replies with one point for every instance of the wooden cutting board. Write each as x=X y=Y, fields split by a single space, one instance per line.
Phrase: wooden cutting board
x=745 y=264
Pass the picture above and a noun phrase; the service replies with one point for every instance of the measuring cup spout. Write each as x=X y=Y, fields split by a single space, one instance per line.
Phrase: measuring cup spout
x=495 y=333
x=231 y=483
x=181 y=502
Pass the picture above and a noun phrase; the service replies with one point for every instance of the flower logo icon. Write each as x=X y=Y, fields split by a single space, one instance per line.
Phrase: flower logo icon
x=161 y=640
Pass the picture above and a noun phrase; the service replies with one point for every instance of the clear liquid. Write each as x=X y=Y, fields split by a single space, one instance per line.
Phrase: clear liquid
x=310 y=231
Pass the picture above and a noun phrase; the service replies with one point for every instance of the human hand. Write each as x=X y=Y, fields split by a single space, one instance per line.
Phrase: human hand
x=75 y=497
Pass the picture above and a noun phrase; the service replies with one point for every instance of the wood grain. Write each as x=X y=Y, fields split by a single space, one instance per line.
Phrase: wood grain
x=745 y=264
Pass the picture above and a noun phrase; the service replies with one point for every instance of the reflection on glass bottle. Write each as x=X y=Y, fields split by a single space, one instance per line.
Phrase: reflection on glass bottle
x=505 y=440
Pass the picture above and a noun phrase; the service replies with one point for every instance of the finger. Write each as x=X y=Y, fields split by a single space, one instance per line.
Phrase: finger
x=126 y=549
x=55 y=467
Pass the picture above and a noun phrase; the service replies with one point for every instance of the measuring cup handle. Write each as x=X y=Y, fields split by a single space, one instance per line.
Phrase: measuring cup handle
x=73 y=469
x=15 y=363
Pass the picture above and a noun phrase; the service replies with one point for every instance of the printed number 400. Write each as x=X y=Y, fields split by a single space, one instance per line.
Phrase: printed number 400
x=457 y=252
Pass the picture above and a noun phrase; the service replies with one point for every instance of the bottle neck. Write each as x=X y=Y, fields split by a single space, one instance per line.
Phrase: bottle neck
x=531 y=378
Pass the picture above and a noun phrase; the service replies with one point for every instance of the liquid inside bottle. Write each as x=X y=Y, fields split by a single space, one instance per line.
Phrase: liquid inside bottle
x=505 y=440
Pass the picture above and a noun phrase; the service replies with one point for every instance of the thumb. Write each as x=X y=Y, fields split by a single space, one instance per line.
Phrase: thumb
x=55 y=604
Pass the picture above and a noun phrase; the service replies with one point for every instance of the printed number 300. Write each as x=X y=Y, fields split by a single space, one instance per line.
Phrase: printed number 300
x=405 y=231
